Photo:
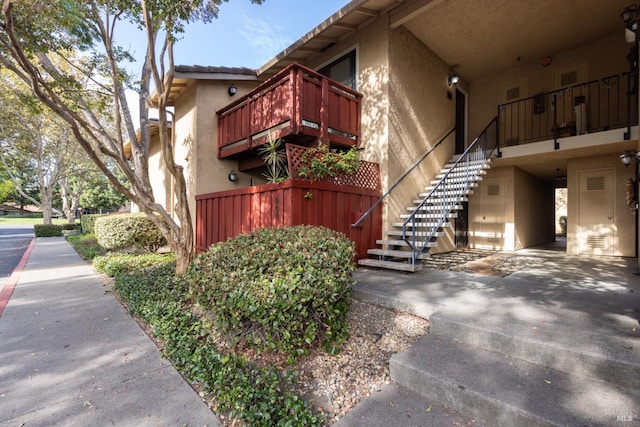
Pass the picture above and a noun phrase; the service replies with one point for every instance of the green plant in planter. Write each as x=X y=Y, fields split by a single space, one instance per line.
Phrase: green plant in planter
x=320 y=162
x=276 y=159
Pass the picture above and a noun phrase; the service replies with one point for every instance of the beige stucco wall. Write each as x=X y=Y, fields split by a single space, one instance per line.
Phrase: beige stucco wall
x=623 y=218
x=493 y=229
x=420 y=113
x=605 y=57
x=405 y=110
x=159 y=176
x=196 y=137
x=527 y=217
x=372 y=46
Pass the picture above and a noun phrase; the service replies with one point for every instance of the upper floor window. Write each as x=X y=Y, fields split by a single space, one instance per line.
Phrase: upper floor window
x=342 y=70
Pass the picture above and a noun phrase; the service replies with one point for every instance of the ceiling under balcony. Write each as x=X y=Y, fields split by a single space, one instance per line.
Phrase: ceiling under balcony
x=475 y=37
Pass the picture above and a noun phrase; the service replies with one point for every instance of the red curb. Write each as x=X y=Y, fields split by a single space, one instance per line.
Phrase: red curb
x=7 y=290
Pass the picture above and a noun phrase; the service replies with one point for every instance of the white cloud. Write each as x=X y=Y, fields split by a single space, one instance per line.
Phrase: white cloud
x=265 y=38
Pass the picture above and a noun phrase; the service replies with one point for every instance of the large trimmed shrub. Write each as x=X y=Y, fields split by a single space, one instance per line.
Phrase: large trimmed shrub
x=279 y=289
x=88 y=222
x=130 y=230
x=47 y=230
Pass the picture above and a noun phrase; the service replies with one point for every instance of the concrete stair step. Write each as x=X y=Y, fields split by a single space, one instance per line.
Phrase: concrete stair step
x=395 y=253
x=394 y=405
x=438 y=200
x=418 y=233
x=401 y=243
x=428 y=216
x=457 y=187
x=434 y=208
x=456 y=180
x=569 y=341
x=438 y=193
x=461 y=173
x=500 y=390
x=420 y=225
x=390 y=265
x=479 y=163
x=476 y=165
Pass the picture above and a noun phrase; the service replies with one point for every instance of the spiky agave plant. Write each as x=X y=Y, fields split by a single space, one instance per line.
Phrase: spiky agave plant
x=275 y=157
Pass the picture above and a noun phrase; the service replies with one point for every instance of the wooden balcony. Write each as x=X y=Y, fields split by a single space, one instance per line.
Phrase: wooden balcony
x=296 y=104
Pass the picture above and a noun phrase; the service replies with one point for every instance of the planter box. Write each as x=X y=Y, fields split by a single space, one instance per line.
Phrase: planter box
x=222 y=215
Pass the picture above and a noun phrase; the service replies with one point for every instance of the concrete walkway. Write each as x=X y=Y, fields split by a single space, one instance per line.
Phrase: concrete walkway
x=71 y=355
x=578 y=315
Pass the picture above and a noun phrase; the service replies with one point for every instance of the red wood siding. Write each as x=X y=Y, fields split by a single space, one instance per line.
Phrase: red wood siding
x=222 y=215
x=296 y=100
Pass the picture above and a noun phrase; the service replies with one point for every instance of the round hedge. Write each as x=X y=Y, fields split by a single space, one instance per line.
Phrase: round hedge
x=279 y=289
x=130 y=230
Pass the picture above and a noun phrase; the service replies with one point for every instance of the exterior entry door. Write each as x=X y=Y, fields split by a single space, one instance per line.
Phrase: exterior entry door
x=596 y=232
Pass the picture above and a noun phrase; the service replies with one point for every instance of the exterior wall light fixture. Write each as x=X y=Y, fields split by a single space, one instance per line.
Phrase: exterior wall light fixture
x=628 y=156
x=233 y=177
x=453 y=79
x=233 y=89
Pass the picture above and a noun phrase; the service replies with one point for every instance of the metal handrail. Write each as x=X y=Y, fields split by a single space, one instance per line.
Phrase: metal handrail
x=404 y=175
x=478 y=153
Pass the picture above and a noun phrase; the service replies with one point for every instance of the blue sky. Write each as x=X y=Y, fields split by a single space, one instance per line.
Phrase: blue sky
x=246 y=34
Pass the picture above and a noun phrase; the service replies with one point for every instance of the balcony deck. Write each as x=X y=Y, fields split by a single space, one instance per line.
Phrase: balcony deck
x=297 y=103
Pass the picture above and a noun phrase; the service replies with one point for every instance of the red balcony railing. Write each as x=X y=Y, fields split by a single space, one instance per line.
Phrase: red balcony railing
x=295 y=101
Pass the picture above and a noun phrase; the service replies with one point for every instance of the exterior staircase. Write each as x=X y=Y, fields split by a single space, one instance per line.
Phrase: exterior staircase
x=427 y=218
x=408 y=243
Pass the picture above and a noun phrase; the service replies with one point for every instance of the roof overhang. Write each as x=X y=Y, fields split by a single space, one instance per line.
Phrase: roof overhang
x=474 y=38
x=183 y=74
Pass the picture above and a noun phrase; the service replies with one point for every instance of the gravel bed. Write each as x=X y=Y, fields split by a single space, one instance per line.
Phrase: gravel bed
x=335 y=384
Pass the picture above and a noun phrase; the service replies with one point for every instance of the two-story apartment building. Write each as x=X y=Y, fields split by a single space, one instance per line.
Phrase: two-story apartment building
x=545 y=85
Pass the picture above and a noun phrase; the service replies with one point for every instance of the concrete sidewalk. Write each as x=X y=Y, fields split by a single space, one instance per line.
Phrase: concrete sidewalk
x=71 y=355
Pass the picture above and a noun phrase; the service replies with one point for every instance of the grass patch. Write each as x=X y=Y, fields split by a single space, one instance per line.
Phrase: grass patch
x=16 y=220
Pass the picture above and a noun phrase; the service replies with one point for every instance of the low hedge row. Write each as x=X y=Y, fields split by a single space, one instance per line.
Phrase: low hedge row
x=47 y=230
x=122 y=263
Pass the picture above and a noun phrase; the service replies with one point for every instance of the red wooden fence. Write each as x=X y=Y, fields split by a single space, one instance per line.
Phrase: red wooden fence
x=296 y=100
x=226 y=214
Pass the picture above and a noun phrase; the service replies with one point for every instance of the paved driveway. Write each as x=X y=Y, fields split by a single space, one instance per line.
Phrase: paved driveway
x=14 y=240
